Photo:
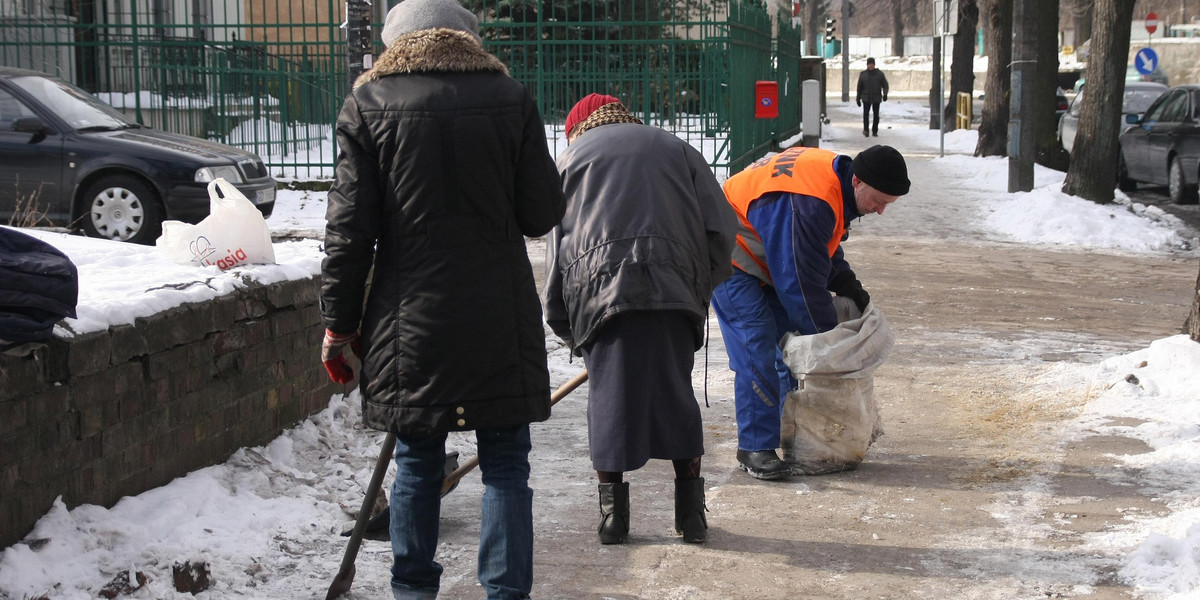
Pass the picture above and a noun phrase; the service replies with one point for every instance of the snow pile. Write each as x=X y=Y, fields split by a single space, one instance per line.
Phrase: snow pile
x=120 y=282
x=1153 y=395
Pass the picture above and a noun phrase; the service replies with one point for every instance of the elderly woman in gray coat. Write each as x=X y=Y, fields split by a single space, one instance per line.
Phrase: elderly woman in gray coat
x=646 y=237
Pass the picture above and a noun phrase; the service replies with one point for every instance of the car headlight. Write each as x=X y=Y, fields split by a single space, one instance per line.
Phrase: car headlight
x=229 y=173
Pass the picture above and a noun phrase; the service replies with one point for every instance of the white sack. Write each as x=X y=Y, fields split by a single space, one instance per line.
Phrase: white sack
x=829 y=423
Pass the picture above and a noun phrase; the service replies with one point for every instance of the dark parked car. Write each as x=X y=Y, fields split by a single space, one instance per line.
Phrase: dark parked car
x=1163 y=148
x=1137 y=98
x=77 y=162
x=1157 y=75
x=1060 y=103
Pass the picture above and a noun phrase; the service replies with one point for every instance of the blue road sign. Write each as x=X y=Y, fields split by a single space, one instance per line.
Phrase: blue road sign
x=1146 y=61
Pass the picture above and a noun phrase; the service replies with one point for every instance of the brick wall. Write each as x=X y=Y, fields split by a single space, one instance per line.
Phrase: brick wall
x=113 y=413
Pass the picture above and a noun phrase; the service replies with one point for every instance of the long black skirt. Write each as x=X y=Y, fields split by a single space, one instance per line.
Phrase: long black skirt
x=641 y=404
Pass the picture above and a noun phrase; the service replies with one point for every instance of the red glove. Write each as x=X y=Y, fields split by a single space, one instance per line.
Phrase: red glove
x=331 y=355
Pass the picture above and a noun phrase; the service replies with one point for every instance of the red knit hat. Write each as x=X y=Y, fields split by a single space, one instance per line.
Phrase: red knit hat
x=585 y=107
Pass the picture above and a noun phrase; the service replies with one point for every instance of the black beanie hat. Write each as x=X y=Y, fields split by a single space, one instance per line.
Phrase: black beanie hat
x=882 y=167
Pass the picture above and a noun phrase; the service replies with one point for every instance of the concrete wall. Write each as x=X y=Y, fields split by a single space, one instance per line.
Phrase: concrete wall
x=114 y=413
x=1179 y=58
x=898 y=81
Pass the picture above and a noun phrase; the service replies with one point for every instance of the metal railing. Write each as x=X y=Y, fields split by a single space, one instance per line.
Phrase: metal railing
x=270 y=75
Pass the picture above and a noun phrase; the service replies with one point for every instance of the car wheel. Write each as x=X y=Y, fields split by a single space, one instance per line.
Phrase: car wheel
x=1181 y=192
x=1123 y=181
x=122 y=208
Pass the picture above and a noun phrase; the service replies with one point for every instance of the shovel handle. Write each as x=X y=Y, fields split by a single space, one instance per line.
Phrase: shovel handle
x=345 y=577
x=364 y=514
x=566 y=388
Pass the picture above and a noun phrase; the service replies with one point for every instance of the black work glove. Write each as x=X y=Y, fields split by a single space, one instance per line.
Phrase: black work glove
x=858 y=101
x=885 y=97
x=846 y=285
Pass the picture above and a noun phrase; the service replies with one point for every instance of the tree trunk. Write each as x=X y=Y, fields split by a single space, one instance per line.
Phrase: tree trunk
x=897 y=28
x=1192 y=325
x=1083 y=21
x=962 y=65
x=993 y=123
x=814 y=29
x=1093 y=171
x=1047 y=151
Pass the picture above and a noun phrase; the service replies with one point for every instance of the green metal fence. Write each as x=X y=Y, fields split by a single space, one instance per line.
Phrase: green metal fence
x=749 y=62
x=270 y=75
x=789 y=47
x=665 y=60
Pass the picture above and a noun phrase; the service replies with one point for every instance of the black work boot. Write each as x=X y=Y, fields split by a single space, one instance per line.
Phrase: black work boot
x=689 y=510
x=614 y=513
x=763 y=464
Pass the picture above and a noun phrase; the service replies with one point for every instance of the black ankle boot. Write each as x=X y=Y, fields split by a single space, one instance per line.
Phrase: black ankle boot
x=614 y=513
x=763 y=464
x=689 y=510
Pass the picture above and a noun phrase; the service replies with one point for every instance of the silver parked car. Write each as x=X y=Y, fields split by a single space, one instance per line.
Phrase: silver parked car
x=1139 y=95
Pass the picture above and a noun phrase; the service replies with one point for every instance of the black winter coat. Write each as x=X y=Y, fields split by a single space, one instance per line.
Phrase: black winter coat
x=443 y=168
x=872 y=86
x=39 y=286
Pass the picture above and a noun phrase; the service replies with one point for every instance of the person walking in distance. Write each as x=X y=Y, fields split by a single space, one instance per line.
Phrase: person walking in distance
x=872 y=89
x=443 y=168
x=794 y=210
x=647 y=236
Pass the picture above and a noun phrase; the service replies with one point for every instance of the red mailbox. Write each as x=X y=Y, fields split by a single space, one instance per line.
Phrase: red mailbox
x=766 y=100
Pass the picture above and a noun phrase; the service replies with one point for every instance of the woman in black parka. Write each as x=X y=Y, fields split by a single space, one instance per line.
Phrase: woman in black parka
x=443 y=170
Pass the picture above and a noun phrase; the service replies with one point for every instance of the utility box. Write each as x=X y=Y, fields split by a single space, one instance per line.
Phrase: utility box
x=812 y=67
x=766 y=99
x=810 y=113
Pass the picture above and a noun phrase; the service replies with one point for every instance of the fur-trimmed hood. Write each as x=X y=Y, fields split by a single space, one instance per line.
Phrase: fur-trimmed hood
x=432 y=50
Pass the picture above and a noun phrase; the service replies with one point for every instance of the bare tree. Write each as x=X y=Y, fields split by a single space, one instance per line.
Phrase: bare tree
x=1094 y=158
x=997 y=17
x=897 y=28
x=1047 y=150
x=1081 y=15
x=1192 y=325
x=906 y=15
x=962 y=64
x=814 y=27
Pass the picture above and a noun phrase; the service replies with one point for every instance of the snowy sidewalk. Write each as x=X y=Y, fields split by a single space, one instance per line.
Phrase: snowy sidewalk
x=1019 y=460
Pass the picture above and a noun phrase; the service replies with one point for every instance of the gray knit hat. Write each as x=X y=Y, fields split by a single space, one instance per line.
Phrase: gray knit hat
x=414 y=15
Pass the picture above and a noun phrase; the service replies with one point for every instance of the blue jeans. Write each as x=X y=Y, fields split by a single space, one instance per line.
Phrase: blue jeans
x=752 y=322
x=506 y=535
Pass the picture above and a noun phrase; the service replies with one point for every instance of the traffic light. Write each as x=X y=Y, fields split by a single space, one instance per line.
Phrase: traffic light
x=829 y=33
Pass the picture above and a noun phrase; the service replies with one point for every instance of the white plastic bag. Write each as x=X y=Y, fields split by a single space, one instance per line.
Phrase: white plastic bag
x=829 y=423
x=234 y=233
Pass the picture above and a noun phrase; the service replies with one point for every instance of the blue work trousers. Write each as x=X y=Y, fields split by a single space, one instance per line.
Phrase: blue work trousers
x=752 y=322
x=506 y=533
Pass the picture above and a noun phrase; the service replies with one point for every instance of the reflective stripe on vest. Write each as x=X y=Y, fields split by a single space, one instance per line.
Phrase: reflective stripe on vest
x=799 y=170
